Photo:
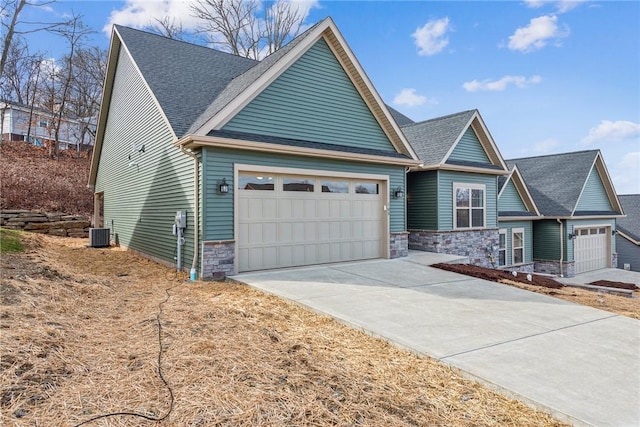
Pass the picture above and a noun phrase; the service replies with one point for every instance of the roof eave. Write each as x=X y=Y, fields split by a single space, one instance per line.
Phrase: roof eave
x=458 y=168
x=519 y=218
x=198 y=141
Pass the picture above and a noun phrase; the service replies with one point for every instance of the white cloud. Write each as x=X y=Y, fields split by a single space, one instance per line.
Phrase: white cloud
x=141 y=13
x=608 y=131
x=625 y=174
x=431 y=37
x=546 y=146
x=410 y=98
x=562 y=6
x=536 y=35
x=500 y=85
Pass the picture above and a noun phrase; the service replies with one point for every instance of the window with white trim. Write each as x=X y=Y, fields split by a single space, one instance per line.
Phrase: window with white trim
x=517 y=245
x=502 y=247
x=469 y=205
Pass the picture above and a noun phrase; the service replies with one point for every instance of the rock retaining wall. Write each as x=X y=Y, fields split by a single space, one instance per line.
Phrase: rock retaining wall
x=52 y=223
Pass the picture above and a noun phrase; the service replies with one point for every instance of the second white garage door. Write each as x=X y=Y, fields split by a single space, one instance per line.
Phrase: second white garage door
x=294 y=220
x=591 y=248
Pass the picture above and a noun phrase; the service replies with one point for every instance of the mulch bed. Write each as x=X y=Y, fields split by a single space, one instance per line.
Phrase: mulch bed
x=497 y=275
x=618 y=285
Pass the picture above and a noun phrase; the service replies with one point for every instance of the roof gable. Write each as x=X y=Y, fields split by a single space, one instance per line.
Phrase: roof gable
x=514 y=197
x=246 y=87
x=556 y=181
x=593 y=196
x=458 y=139
x=313 y=100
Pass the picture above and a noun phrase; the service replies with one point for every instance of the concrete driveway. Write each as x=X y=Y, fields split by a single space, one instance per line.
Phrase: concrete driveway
x=578 y=363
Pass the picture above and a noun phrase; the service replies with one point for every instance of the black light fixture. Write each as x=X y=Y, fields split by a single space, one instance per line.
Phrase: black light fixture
x=224 y=187
x=572 y=236
x=398 y=193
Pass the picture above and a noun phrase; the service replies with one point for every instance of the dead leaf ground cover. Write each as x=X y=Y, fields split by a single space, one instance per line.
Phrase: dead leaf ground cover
x=79 y=338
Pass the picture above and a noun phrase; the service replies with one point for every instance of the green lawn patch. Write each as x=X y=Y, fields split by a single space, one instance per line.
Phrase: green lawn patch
x=10 y=241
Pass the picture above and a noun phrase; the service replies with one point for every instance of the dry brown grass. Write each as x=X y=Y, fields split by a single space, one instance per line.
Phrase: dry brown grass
x=617 y=304
x=31 y=180
x=79 y=338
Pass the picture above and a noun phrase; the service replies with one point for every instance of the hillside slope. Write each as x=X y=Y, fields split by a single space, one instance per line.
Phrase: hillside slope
x=31 y=180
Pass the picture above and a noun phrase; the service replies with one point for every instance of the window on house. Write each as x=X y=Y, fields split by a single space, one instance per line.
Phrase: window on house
x=43 y=123
x=366 y=188
x=250 y=181
x=517 y=244
x=469 y=205
x=298 y=184
x=502 y=247
x=335 y=186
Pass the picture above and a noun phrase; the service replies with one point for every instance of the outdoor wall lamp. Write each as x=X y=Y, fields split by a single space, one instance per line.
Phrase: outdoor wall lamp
x=398 y=193
x=572 y=236
x=223 y=187
x=614 y=232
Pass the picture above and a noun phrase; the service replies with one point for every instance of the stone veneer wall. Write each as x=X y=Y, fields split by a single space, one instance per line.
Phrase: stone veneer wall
x=480 y=246
x=614 y=260
x=553 y=267
x=218 y=259
x=399 y=244
x=52 y=223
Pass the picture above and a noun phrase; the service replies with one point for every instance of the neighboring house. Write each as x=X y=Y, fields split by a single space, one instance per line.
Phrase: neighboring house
x=516 y=214
x=576 y=198
x=628 y=236
x=293 y=160
x=452 y=196
x=22 y=123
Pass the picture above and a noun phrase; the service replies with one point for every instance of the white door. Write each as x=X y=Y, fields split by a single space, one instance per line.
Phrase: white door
x=294 y=220
x=591 y=248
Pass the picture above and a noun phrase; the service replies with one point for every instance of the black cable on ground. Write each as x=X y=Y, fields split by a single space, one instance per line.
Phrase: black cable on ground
x=136 y=414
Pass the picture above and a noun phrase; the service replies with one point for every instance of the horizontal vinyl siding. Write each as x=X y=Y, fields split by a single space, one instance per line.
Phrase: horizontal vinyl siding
x=469 y=149
x=528 y=238
x=573 y=224
x=510 y=200
x=628 y=253
x=422 y=200
x=445 y=196
x=594 y=197
x=313 y=100
x=140 y=202
x=220 y=164
x=546 y=238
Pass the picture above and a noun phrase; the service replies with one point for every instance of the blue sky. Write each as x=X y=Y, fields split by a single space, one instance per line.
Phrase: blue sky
x=546 y=76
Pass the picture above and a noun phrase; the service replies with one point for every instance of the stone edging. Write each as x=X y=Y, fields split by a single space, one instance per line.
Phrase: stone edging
x=52 y=223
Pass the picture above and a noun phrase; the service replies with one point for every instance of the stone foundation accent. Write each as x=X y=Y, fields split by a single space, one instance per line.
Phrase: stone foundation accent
x=524 y=268
x=399 y=244
x=218 y=259
x=52 y=223
x=480 y=246
x=614 y=260
x=553 y=267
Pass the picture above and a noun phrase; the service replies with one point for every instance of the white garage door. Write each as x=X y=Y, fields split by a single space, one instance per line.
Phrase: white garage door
x=293 y=220
x=591 y=248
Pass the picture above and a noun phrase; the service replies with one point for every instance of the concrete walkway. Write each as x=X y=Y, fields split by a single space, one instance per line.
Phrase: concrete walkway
x=578 y=363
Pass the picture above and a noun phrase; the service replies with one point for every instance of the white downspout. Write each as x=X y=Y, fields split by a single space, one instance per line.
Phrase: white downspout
x=561 y=246
x=196 y=211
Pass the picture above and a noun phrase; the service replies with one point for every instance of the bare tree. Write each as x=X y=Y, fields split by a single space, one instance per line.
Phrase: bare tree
x=249 y=28
x=10 y=11
x=168 y=27
x=74 y=33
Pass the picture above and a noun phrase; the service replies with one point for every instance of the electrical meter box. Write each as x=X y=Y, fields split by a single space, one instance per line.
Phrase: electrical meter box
x=181 y=219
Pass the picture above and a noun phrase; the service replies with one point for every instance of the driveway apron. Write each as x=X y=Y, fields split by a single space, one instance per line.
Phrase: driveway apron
x=576 y=362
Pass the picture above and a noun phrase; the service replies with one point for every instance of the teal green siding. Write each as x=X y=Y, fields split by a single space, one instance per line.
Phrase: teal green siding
x=594 y=197
x=546 y=235
x=510 y=200
x=571 y=224
x=528 y=239
x=422 y=200
x=446 y=179
x=313 y=100
x=469 y=149
x=140 y=202
x=219 y=163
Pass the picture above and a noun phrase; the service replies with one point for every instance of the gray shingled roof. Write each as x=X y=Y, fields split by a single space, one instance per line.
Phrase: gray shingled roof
x=631 y=224
x=556 y=181
x=185 y=78
x=432 y=139
x=400 y=118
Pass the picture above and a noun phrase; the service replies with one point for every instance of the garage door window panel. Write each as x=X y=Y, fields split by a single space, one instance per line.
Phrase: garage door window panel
x=366 y=188
x=255 y=182
x=336 y=187
x=300 y=184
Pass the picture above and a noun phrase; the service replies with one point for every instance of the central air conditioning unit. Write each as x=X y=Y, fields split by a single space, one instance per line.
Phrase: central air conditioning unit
x=99 y=237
